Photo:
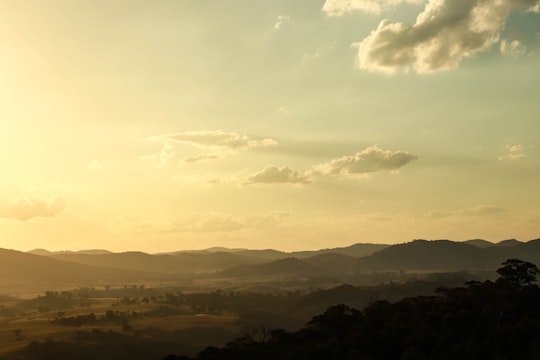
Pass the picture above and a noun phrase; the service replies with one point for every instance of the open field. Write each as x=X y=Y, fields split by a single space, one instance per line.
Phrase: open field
x=102 y=318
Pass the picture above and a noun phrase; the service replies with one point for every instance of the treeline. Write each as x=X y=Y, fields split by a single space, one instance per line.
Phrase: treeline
x=291 y=309
x=256 y=314
x=481 y=320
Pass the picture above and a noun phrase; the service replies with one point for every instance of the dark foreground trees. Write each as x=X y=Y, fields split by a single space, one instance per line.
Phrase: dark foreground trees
x=518 y=273
x=489 y=320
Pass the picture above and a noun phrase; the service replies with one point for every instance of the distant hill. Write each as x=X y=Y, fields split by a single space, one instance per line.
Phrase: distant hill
x=445 y=255
x=162 y=263
x=322 y=265
x=479 y=243
x=484 y=243
x=346 y=263
x=45 y=252
x=283 y=267
x=19 y=270
x=41 y=252
x=208 y=250
x=332 y=263
x=355 y=250
x=509 y=243
x=425 y=255
x=267 y=254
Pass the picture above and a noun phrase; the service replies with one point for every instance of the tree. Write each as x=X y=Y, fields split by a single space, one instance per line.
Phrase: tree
x=518 y=273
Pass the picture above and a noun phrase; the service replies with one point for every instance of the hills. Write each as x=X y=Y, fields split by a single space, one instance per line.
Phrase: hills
x=353 y=264
x=24 y=272
x=163 y=263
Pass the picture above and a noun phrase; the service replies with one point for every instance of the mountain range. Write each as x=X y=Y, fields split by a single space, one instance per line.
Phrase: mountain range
x=95 y=267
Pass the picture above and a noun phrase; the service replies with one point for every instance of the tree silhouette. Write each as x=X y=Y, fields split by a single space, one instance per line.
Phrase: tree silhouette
x=518 y=273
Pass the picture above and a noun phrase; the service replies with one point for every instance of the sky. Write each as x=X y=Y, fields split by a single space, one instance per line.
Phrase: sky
x=290 y=124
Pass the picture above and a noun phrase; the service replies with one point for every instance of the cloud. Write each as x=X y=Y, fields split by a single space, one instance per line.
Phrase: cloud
x=218 y=222
x=370 y=160
x=514 y=152
x=204 y=180
x=535 y=8
x=201 y=157
x=217 y=139
x=482 y=210
x=285 y=111
x=445 y=33
x=26 y=209
x=341 y=7
x=281 y=19
x=95 y=166
x=513 y=48
x=166 y=153
x=280 y=175
x=217 y=143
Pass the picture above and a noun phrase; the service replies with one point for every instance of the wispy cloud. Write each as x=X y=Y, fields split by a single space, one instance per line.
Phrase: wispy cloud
x=513 y=48
x=217 y=139
x=205 y=180
x=201 y=157
x=166 y=153
x=482 y=210
x=26 y=209
x=95 y=166
x=216 y=143
x=535 y=8
x=514 y=152
x=370 y=160
x=280 y=21
x=445 y=33
x=219 y=222
x=280 y=175
x=342 y=7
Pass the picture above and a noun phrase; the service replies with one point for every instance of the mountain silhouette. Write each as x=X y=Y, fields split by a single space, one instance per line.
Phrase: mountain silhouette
x=19 y=270
x=283 y=267
x=163 y=263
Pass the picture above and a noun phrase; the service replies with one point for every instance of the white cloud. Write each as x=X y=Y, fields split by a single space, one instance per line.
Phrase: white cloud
x=445 y=33
x=219 y=222
x=320 y=53
x=482 y=210
x=514 y=152
x=95 y=166
x=204 y=180
x=26 y=209
x=217 y=143
x=513 y=48
x=370 y=160
x=285 y=111
x=165 y=154
x=201 y=157
x=534 y=8
x=280 y=175
x=341 y=7
x=217 y=139
x=280 y=21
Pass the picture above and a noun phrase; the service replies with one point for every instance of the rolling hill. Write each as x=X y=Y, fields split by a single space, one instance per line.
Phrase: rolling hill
x=347 y=263
x=182 y=263
x=19 y=270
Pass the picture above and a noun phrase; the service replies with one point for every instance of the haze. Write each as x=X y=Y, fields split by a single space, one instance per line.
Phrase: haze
x=167 y=125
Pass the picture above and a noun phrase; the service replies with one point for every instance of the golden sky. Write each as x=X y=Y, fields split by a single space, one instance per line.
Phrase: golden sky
x=183 y=124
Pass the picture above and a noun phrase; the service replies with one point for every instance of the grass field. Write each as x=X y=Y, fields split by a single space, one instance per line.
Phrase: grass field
x=148 y=322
